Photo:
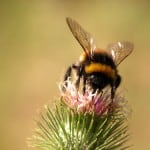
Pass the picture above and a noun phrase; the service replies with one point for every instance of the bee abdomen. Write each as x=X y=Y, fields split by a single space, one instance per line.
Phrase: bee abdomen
x=100 y=68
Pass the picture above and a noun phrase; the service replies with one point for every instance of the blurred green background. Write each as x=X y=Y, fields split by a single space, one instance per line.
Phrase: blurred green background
x=36 y=47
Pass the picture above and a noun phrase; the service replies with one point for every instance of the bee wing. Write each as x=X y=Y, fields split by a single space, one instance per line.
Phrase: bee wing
x=84 y=38
x=120 y=51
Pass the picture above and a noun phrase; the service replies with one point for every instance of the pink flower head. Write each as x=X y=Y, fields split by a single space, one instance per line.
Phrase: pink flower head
x=99 y=103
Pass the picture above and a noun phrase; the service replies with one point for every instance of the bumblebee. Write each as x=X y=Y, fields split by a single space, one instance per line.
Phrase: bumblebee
x=96 y=67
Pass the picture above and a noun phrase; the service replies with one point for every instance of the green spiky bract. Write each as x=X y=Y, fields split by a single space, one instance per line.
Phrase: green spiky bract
x=66 y=129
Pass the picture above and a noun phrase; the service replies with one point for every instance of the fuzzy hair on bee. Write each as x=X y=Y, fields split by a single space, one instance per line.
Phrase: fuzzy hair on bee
x=97 y=68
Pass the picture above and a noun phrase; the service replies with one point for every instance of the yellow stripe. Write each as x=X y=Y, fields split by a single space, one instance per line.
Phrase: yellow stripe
x=102 y=68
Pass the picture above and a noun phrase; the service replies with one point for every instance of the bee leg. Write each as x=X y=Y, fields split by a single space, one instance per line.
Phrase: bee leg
x=114 y=86
x=113 y=90
x=77 y=83
x=84 y=84
x=66 y=76
x=118 y=81
x=79 y=70
x=68 y=73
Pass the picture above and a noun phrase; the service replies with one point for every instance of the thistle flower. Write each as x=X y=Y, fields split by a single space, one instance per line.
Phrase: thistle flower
x=89 y=121
x=98 y=103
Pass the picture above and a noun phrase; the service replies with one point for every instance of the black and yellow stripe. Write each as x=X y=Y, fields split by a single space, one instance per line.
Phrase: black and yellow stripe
x=100 y=68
